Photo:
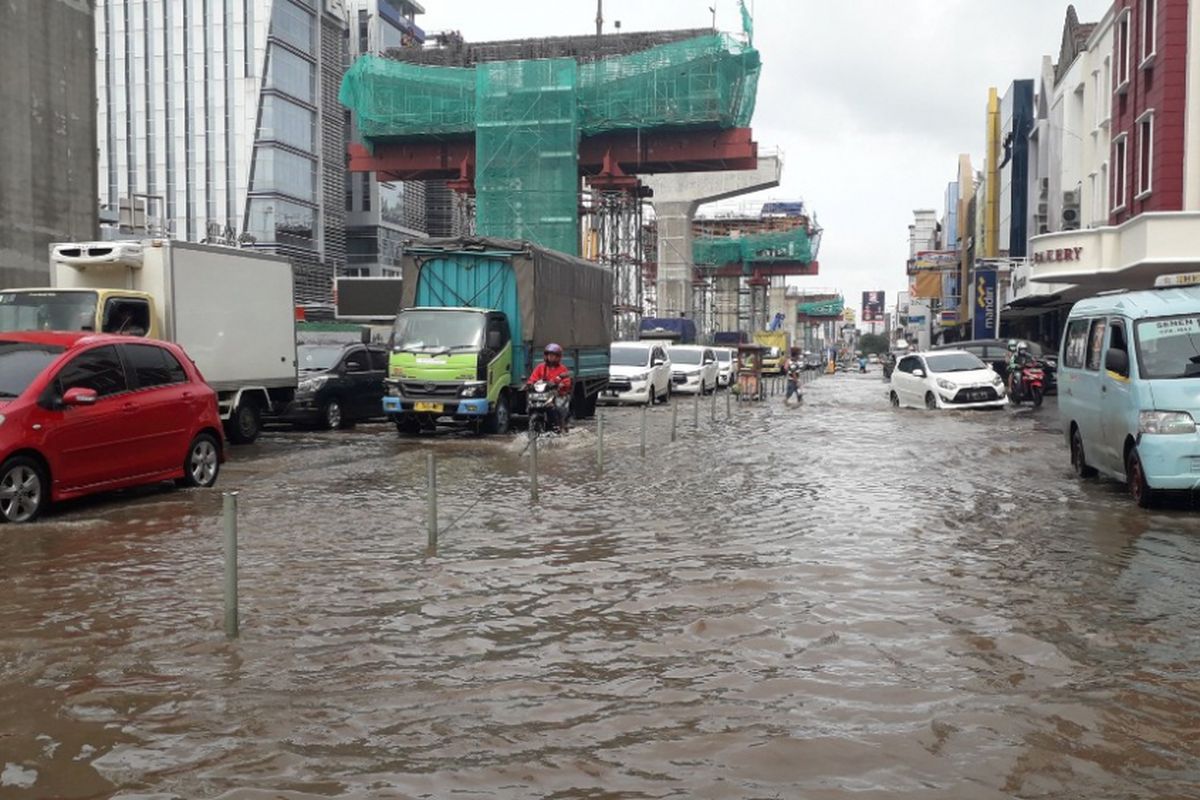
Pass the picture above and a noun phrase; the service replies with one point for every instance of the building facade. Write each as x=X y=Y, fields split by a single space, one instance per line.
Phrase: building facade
x=219 y=122
x=47 y=134
x=382 y=215
x=1150 y=107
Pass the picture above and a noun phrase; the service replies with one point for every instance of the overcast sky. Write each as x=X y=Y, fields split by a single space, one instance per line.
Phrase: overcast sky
x=871 y=101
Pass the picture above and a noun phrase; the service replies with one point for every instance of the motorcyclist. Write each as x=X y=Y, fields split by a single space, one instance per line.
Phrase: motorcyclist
x=1019 y=358
x=553 y=371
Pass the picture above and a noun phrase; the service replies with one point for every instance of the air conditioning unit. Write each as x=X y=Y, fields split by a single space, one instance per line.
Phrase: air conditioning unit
x=1043 y=209
x=1071 y=198
x=1044 y=186
x=1071 y=217
x=1043 y=229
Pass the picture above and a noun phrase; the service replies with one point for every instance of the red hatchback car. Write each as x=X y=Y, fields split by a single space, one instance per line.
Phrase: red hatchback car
x=83 y=413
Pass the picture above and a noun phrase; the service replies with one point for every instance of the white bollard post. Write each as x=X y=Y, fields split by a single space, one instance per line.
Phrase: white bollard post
x=431 y=501
x=232 y=628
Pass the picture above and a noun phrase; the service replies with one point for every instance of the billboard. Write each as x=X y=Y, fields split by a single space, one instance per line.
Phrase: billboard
x=935 y=260
x=366 y=299
x=987 y=312
x=872 y=307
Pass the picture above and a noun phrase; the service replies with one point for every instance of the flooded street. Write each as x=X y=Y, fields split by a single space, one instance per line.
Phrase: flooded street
x=838 y=601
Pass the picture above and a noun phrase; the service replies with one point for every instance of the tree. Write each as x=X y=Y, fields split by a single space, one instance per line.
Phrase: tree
x=873 y=343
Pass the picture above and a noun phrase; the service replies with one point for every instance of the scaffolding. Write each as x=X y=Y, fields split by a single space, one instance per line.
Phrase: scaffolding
x=613 y=235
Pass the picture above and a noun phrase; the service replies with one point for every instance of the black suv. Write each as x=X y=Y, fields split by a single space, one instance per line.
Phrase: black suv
x=339 y=385
x=994 y=353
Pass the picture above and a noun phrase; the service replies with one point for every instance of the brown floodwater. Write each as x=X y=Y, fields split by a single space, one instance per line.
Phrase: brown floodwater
x=839 y=601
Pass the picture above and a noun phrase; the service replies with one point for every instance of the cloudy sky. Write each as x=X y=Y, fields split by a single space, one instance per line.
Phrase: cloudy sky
x=871 y=101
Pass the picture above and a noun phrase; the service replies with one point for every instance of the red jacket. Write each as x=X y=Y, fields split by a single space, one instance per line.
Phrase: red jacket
x=557 y=372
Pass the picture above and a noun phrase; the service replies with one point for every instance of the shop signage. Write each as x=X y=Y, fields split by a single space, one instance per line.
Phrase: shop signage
x=872 y=307
x=1057 y=255
x=985 y=304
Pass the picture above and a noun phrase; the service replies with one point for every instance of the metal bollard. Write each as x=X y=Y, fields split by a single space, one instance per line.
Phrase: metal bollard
x=729 y=402
x=696 y=412
x=674 y=420
x=533 y=470
x=645 y=415
x=232 y=629
x=600 y=441
x=714 y=406
x=431 y=524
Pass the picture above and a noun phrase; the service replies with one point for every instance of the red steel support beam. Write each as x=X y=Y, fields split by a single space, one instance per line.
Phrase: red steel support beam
x=635 y=153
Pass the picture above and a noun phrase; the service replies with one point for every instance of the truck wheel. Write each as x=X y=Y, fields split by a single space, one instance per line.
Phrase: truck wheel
x=245 y=424
x=497 y=422
x=407 y=425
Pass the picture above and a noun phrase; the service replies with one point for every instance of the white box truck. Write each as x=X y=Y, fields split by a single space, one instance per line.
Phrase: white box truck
x=232 y=310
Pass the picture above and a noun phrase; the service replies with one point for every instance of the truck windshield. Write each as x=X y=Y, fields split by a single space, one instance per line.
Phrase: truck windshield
x=437 y=331
x=314 y=357
x=1169 y=347
x=630 y=356
x=20 y=363
x=47 y=311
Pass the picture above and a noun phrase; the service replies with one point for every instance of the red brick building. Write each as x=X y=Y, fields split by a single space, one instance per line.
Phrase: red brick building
x=1150 y=98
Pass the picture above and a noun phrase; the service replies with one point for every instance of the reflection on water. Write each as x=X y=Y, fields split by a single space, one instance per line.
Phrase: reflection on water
x=831 y=602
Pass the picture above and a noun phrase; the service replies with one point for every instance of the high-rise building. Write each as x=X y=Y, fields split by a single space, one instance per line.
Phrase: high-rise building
x=47 y=134
x=381 y=215
x=219 y=121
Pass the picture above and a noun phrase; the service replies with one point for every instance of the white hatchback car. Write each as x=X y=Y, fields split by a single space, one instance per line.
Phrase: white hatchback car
x=946 y=379
x=726 y=364
x=639 y=372
x=694 y=369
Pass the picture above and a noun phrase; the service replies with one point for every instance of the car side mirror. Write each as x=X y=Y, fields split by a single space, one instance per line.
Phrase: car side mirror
x=658 y=362
x=1117 y=361
x=918 y=373
x=80 y=396
x=495 y=340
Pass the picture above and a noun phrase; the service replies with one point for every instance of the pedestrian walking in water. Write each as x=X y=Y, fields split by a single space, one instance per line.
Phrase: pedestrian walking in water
x=794 y=369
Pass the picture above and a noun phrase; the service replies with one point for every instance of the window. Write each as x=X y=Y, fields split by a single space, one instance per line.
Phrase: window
x=379 y=360
x=364 y=41
x=290 y=74
x=909 y=364
x=1096 y=344
x=366 y=191
x=152 y=366
x=1149 y=30
x=1145 y=128
x=1076 y=351
x=277 y=221
x=1120 y=149
x=292 y=24
x=1123 y=52
x=128 y=316
x=284 y=121
x=99 y=370
x=356 y=361
x=284 y=172
x=1117 y=341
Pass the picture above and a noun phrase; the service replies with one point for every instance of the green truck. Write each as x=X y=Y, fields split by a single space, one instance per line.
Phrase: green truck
x=475 y=316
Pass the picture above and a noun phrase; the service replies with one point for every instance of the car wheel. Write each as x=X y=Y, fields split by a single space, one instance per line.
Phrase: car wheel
x=203 y=462
x=931 y=403
x=895 y=398
x=1135 y=473
x=497 y=422
x=1078 y=460
x=23 y=490
x=331 y=414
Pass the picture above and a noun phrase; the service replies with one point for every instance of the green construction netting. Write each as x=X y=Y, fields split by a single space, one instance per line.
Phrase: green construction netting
x=756 y=248
x=707 y=81
x=527 y=152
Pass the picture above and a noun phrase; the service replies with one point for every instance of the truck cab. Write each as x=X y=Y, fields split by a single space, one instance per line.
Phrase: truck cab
x=93 y=310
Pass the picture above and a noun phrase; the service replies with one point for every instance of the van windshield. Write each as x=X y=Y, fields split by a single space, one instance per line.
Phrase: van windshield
x=437 y=331
x=1169 y=347
x=724 y=356
x=686 y=356
x=47 y=311
x=630 y=356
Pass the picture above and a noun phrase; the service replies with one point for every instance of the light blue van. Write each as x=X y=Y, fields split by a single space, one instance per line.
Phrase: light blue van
x=1129 y=389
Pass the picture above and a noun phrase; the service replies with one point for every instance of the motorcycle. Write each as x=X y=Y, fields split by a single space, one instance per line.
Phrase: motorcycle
x=1027 y=382
x=540 y=401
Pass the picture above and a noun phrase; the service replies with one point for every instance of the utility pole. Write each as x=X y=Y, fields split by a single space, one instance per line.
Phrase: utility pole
x=599 y=20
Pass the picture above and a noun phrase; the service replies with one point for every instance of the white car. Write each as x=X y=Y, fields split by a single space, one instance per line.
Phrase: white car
x=694 y=369
x=639 y=372
x=946 y=379
x=726 y=365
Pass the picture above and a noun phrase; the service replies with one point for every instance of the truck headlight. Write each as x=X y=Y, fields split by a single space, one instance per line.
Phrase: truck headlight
x=945 y=384
x=473 y=389
x=1166 y=422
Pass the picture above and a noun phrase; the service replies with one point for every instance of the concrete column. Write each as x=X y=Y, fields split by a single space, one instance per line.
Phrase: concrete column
x=677 y=197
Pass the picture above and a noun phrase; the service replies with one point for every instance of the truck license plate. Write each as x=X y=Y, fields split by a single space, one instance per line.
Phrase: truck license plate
x=432 y=408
